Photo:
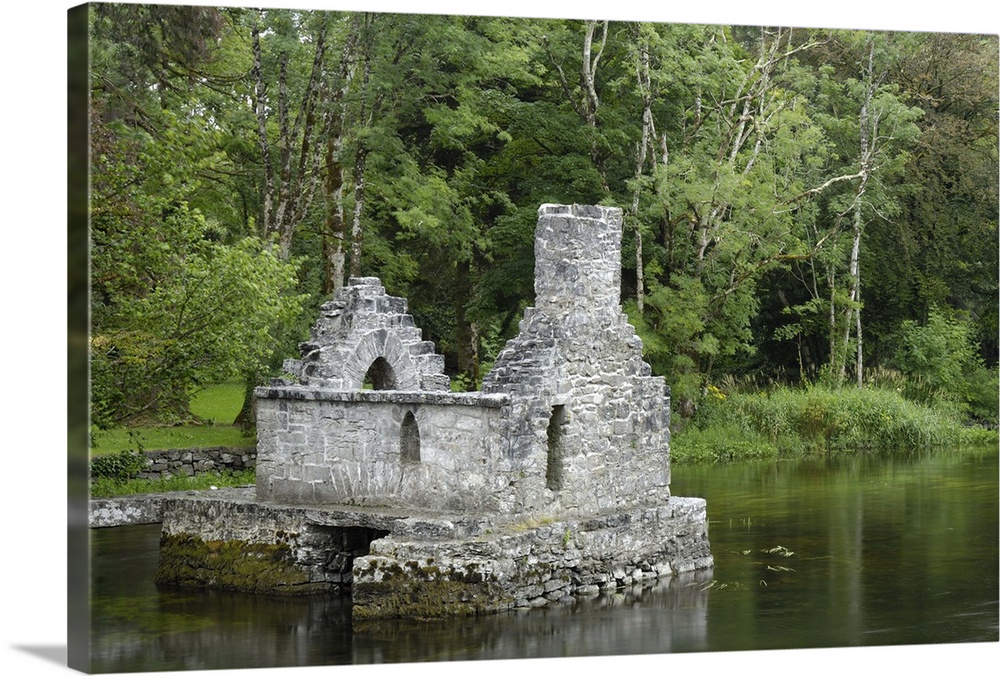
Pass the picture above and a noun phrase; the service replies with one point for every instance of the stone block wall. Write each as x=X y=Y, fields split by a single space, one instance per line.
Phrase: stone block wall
x=398 y=565
x=164 y=464
x=240 y=544
x=578 y=256
x=172 y=462
x=408 y=449
x=530 y=565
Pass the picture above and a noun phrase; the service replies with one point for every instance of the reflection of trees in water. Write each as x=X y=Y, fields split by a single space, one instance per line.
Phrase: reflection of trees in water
x=203 y=630
x=633 y=621
x=137 y=627
x=262 y=631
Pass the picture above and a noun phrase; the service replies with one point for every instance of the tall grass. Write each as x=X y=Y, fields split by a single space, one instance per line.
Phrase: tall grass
x=786 y=420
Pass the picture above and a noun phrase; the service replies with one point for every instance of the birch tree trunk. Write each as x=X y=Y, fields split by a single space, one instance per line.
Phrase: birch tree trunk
x=867 y=135
x=643 y=80
x=588 y=74
x=589 y=102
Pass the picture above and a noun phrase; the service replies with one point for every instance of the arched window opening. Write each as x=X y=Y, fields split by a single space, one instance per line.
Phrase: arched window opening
x=380 y=376
x=409 y=439
x=556 y=437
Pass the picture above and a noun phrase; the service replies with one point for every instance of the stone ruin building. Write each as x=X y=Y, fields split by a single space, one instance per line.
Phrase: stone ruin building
x=552 y=481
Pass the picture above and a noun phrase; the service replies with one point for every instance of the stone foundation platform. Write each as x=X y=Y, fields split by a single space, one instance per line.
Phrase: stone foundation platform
x=397 y=564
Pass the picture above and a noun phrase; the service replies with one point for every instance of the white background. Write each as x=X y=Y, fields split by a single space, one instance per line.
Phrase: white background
x=33 y=354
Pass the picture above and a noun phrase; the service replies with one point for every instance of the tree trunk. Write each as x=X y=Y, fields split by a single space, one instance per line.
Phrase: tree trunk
x=357 y=234
x=867 y=137
x=334 y=230
x=854 y=300
x=287 y=197
x=466 y=331
x=260 y=108
x=831 y=279
x=587 y=107
x=365 y=115
x=643 y=80
x=246 y=419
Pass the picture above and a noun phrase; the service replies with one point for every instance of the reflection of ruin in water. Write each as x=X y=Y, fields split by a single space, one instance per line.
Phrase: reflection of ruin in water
x=173 y=629
x=552 y=481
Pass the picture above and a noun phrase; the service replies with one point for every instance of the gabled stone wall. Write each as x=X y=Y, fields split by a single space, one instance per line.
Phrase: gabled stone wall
x=360 y=326
x=586 y=413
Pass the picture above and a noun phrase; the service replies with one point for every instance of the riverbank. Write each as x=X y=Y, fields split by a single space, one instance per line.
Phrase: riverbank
x=793 y=422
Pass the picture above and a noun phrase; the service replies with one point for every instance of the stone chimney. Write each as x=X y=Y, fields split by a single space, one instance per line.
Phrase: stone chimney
x=578 y=258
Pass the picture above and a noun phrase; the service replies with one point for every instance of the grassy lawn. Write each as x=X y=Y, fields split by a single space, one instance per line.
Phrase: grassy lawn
x=104 y=487
x=217 y=405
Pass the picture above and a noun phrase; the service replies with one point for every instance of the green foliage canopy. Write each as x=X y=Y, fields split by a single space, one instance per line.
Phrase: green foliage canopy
x=749 y=162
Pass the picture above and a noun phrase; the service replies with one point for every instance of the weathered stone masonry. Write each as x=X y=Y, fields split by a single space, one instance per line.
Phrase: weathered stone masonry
x=551 y=482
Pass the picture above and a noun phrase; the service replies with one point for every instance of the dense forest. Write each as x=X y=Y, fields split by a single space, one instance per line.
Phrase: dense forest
x=801 y=206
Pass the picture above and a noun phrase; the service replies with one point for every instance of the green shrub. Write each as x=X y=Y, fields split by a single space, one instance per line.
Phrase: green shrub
x=120 y=466
x=941 y=361
x=984 y=396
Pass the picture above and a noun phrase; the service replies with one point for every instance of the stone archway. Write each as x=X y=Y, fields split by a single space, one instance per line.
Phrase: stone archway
x=380 y=356
x=364 y=333
x=380 y=375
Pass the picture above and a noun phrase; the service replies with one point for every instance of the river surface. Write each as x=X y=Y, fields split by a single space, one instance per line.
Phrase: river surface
x=895 y=549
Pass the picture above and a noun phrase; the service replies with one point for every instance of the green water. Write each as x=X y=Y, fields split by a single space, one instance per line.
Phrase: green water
x=844 y=551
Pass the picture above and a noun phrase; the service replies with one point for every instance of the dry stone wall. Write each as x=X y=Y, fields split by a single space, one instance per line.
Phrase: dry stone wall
x=163 y=464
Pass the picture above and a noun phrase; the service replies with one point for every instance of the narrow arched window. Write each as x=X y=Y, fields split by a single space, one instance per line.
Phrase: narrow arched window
x=556 y=448
x=380 y=376
x=409 y=439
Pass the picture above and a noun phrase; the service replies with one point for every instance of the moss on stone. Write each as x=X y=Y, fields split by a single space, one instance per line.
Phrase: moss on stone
x=430 y=599
x=189 y=561
x=428 y=591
